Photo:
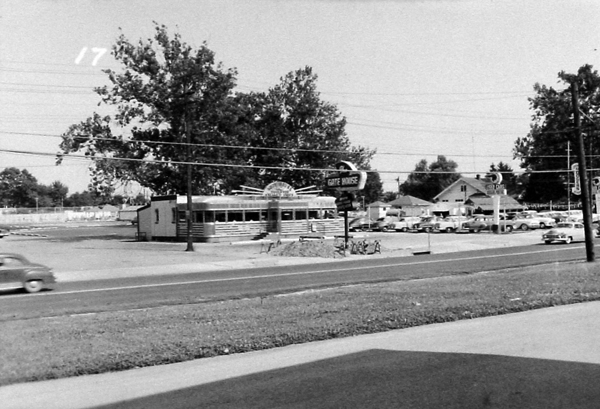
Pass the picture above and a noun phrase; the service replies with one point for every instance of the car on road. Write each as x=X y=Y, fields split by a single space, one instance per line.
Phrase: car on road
x=361 y=224
x=565 y=232
x=18 y=272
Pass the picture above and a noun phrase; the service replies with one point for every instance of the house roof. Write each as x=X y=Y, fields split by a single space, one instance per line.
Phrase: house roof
x=408 y=200
x=378 y=204
x=477 y=184
x=486 y=203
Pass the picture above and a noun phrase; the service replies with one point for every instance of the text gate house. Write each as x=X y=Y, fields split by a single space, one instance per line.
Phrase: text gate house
x=250 y=214
x=346 y=180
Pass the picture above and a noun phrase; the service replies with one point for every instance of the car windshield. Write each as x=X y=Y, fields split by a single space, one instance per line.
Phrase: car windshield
x=566 y=225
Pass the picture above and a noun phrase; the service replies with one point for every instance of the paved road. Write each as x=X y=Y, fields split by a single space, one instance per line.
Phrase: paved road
x=80 y=297
x=547 y=358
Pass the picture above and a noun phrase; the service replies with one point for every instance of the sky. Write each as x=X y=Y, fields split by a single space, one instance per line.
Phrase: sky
x=414 y=79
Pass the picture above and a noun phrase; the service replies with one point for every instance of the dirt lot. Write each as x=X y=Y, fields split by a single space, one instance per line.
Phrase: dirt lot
x=99 y=250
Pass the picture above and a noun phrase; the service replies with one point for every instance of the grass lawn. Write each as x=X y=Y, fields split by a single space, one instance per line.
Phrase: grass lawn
x=36 y=349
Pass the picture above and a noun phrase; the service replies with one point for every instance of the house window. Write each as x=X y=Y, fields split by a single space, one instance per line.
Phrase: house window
x=157 y=216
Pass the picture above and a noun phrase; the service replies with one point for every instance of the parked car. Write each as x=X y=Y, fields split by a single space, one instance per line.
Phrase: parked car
x=361 y=224
x=3 y=232
x=405 y=223
x=557 y=216
x=18 y=272
x=565 y=232
x=426 y=224
x=478 y=223
x=544 y=221
x=449 y=224
x=525 y=222
x=385 y=223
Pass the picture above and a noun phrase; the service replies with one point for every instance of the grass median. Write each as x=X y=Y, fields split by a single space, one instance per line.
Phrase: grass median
x=37 y=349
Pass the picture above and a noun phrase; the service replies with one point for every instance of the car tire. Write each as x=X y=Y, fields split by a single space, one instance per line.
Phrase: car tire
x=427 y=229
x=508 y=229
x=542 y=225
x=568 y=240
x=449 y=229
x=33 y=286
x=404 y=229
x=384 y=228
x=524 y=227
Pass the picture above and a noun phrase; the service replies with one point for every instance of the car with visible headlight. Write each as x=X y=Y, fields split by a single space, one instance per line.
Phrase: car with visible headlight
x=565 y=232
x=18 y=272
x=449 y=224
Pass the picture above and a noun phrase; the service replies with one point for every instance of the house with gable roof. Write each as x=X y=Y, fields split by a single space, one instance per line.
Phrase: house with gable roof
x=472 y=193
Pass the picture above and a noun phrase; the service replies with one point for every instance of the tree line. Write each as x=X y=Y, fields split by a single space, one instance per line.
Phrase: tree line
x=19 y=188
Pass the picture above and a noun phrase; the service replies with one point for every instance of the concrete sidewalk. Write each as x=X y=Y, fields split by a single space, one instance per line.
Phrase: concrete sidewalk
x=534 y=359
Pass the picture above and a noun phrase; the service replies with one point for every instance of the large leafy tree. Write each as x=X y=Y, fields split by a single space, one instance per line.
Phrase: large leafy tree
x=166 y=92
x=305 y=131
x=544 y=152
x=169 y=91
x=427 y=180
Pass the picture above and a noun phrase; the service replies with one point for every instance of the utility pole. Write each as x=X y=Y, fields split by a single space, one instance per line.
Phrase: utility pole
x=585 y=196
x=188 y=212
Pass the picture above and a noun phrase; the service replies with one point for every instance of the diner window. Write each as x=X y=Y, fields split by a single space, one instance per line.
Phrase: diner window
x=235 y=216
x=252 y=216
x=173 y=215
x=181 y=215
x=198 y=217
x=313 y=214
x=221 y=216
x=209 y=217
x=300 y=214
x=156 y=216
x=287 y=215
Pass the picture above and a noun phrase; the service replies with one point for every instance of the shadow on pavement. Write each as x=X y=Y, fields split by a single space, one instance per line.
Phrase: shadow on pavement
x=392 y=379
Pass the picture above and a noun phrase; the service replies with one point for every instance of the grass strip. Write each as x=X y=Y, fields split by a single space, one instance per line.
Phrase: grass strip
x=38 y=349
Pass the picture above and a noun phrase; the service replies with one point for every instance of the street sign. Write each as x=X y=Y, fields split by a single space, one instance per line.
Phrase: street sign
x=576 y=189
x=346 y=201
x=347 y=179
x=494 y=188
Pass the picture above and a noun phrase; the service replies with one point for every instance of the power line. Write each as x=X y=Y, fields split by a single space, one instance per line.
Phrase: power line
x=277 y=149
x=259 y=167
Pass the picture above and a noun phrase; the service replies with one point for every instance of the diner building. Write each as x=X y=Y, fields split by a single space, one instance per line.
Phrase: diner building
x=248 y=214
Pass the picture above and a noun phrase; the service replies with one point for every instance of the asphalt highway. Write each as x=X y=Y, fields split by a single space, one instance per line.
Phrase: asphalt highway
x=122 y=293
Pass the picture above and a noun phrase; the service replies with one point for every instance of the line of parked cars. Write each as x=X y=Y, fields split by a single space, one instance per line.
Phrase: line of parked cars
x=526 y=220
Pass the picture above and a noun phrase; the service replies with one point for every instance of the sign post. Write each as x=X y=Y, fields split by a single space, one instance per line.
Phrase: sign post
x=495 y=189
x=347 y=179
